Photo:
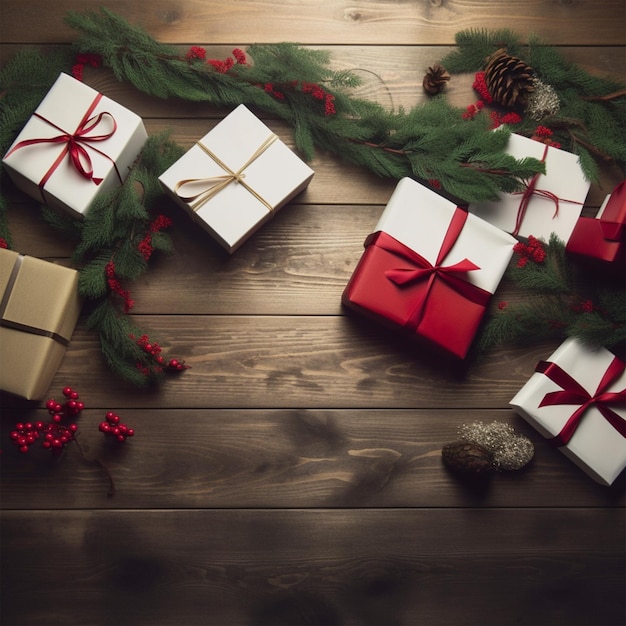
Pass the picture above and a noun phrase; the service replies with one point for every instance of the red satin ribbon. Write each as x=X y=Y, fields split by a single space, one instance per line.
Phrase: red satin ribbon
x=79 y=157
x=573 y=393
x=422 y=268
x=613 y=217
x=530 y=191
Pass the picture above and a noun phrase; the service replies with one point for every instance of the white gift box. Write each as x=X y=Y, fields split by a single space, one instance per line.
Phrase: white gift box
x=236 y=178
x=419 y=218
x=108 y=137
x=596 y=446
x=564 y=179
x=444 y=315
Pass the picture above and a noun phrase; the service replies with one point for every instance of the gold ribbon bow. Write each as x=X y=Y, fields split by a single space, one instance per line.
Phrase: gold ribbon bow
x=212 y=185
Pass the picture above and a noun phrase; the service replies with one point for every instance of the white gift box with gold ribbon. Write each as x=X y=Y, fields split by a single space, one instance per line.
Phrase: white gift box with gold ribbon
x=236 y=178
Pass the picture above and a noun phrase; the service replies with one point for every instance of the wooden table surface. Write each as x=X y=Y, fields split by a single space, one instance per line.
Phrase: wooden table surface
x=294 y=474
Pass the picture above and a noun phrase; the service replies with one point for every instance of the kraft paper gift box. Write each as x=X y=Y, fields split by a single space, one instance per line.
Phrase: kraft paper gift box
x=39 y=308
x=78 y=143
x=551 y=203
x=429 y=268
x=236 y=178
x=601 y=240
x=577 y=400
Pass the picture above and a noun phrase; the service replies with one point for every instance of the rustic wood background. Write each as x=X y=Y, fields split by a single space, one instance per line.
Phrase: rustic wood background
x=293 y=475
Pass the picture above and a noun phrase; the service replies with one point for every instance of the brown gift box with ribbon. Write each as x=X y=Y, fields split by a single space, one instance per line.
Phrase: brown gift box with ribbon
x=39 y=308
x=236 y=178
x=77 y=143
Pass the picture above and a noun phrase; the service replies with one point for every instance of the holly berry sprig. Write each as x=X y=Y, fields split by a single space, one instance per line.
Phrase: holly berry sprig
x=57 y=433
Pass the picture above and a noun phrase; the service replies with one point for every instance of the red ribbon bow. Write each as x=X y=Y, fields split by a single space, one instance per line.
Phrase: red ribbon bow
x=573 y=393
x=79 y=157
x=426 y=270
x=530 y=191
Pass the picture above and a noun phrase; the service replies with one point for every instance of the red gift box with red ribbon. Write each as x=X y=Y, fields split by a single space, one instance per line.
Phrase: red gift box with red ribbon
x=577 y=400
x=429 y=268
x=602 y=239
x=76 y=144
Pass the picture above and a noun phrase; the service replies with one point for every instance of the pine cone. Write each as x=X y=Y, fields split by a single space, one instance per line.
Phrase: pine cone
x=467 y=457
x=435 y=79
x=509 y=80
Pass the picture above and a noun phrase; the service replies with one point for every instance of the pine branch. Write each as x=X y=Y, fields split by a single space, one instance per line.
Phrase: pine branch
x=558 y=302
x=591 y=119
x=431 y=142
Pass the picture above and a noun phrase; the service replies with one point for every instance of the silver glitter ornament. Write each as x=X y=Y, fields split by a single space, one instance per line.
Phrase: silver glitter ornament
x=510 y=451
x=542 y=101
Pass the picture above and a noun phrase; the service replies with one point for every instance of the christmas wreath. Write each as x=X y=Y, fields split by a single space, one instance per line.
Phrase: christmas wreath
x=441 y=145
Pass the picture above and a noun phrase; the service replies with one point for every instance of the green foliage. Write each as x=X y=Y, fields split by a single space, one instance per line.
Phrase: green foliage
x=110 y=233
x=560 y=301
x=591 y=121
x=428 y=142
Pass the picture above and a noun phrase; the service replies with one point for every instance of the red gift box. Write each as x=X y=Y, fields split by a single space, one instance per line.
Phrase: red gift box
x=435 y=300
x=602 y=240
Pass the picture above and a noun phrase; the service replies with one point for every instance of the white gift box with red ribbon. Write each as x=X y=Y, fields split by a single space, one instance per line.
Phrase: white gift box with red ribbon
x=577 y=400
x=77 y=144
x=236 y=177
x=550 y=203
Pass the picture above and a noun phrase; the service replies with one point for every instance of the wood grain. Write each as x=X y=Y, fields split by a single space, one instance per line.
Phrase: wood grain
x=293 y=475
x=289 y=458
x=330 y=22
x=426 y=566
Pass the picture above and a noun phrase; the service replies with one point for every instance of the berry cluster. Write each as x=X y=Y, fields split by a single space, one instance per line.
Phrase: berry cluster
x=3 y=243
x=196 y=52
x=316 y=91
x=509 y=118
x=533 y=251
x=145 y=245
x=472 y=110
x=82 y=59
x=153 y=349
x=56 y=435
x=544 y=135
x=116 y=287
x=114 y=428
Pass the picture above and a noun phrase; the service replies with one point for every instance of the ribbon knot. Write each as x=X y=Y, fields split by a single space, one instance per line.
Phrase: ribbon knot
x=212 y=185
x=530 y=191
x=73 y=144
x=574 y=393
x=423 y=269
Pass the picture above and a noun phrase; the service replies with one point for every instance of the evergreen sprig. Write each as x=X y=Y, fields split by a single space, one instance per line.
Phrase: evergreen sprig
x=110 y=251
x=558 y=301
x=591 y=120
x=429 y=142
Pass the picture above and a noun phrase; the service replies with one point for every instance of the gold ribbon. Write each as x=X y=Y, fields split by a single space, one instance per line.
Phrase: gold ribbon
x=214 y=184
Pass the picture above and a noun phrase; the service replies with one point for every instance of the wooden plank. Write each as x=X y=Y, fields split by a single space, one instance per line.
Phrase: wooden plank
x=432 y=566
x=299 y=361
x=331 y=22
x=298 y=458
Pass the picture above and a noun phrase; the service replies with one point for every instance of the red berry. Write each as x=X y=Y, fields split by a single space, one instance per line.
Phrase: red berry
x=57 y=418
x=67 y=392
x=23 y=449
x=130 y=432
x=121 y=438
